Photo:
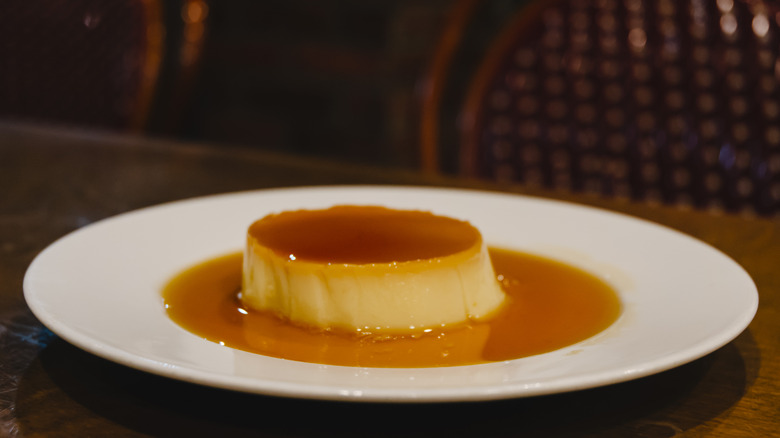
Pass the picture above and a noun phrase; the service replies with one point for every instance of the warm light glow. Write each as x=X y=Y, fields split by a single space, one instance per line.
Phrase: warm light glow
x=194 y=11
x=725 y=5
x=91 y=21
x=728 y=23
x=637 y=38
x=761 y=25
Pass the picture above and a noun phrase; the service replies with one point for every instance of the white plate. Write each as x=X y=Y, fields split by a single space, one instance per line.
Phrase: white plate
x=99 y=288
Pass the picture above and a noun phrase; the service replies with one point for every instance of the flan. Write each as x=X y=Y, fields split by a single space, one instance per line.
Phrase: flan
x=369 y=269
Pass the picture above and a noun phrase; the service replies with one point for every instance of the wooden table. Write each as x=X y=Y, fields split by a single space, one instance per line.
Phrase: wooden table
x=53 y=182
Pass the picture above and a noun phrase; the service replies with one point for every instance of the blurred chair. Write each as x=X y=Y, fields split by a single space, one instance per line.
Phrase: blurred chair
x=95 y=63
x=656 y=100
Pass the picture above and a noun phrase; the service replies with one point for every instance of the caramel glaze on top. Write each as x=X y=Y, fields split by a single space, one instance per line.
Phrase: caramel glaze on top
x=363 y=235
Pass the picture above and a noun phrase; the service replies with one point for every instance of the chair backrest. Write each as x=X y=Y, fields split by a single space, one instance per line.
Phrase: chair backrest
x=667 y=101
x=80 y=62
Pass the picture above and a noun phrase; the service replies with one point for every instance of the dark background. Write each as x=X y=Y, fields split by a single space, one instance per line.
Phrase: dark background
x=338 y=78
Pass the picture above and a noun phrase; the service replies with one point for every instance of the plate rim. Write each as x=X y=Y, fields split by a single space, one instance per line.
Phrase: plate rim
x=305 y=391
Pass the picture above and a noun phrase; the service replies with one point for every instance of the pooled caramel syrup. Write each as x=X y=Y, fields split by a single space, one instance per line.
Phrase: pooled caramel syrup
x=551 y=305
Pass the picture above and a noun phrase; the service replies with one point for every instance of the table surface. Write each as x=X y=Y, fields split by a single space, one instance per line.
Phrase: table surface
x=55 y=181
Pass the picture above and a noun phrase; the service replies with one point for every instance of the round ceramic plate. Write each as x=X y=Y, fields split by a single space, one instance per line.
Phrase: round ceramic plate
x=99 y=288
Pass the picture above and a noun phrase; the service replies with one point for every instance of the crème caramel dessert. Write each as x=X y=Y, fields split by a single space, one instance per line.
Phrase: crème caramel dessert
x=369 y=270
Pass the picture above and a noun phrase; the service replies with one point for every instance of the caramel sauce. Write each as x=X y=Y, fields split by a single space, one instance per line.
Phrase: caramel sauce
x=551 y=305
x=363 y=234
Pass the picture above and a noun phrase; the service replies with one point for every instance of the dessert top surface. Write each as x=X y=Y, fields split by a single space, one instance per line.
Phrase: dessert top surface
x=363 y=234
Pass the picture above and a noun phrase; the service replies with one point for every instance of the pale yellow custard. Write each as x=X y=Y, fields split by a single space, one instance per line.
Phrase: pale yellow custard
x=369 y=269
